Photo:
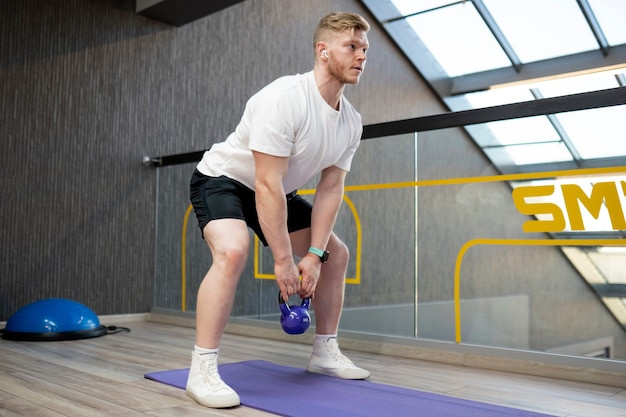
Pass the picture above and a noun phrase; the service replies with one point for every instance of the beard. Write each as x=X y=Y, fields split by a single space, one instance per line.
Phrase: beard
x=343 y=74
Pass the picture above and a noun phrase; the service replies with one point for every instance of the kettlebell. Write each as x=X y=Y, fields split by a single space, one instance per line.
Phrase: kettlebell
x=294 y=319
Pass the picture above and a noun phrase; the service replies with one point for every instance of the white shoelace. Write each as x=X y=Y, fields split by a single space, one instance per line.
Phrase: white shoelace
x=333 y=350
x=210 y=376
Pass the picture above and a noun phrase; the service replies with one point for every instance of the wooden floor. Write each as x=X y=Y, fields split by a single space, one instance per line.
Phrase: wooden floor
x=103 y=376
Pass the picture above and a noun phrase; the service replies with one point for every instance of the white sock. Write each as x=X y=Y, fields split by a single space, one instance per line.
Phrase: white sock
x=324 y=336
x=203 y=351
x=318 y=339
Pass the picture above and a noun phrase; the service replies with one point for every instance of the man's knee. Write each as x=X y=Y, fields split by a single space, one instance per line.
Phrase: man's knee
x=230 y=253
x=340 y=252
x=235 y=254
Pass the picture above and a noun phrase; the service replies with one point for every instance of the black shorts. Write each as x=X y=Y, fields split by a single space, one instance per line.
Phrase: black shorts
x=224 y=198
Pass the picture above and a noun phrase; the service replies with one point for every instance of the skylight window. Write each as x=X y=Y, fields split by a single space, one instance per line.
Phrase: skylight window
x=529 y=154
x=592 y=133
x=611 y=15
x=466 y=41
x=408 y=7
x=459 y=40
x=579 y=84
x=596 y=133
x=540 y=29
x=526 y=130
x=499 y=96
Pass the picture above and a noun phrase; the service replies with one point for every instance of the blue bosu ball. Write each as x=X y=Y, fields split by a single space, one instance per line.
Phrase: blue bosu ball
x=53 y=319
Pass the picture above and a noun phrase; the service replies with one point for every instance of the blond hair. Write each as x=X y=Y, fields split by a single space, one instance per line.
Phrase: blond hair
x=338 y=22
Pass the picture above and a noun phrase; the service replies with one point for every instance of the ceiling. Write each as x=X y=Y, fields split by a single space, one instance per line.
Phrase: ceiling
x=180 y=12
x=482 y=53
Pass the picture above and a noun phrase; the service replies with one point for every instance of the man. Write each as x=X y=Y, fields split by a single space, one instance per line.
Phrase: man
x=292 y=130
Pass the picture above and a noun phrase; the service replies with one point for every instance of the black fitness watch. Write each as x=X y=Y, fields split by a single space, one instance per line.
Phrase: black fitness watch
x=323 y=254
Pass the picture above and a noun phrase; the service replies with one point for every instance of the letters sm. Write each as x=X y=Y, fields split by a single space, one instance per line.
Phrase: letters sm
x=603 y=194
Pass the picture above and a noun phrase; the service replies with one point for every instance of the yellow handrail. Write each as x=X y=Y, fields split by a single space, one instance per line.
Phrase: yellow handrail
x=359 y=233
x=512 y=242
x=184 y=262
x=487 y=178
x=257 y=274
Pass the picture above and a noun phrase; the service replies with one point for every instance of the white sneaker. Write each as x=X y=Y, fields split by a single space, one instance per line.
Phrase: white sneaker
x=205 y=385
x=327 y=359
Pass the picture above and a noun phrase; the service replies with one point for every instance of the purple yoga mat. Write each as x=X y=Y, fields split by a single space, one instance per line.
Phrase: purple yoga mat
x=293 y=392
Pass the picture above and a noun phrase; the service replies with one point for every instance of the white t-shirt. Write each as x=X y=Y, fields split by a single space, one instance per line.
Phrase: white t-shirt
x=288 y=118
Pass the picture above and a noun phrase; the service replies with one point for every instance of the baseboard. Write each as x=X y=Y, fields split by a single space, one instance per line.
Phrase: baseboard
x=573 y=368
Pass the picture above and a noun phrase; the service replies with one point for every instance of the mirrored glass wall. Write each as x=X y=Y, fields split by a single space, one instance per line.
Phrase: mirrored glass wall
x=444 y=247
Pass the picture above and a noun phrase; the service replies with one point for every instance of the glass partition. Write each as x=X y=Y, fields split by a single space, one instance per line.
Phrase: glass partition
x=444 y=248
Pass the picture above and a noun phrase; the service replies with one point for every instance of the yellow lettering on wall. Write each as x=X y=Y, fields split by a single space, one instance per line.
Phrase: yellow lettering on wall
x=602 y=193
x=557 y=223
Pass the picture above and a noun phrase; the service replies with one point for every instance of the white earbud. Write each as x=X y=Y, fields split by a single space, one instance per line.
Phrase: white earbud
x=325 y=54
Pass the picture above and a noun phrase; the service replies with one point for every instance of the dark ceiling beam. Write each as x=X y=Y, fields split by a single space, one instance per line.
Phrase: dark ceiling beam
x=582 y=62
x=180 y=12
x=581 y=101
x=495 y=30
x=594 y=25
x=610 y=290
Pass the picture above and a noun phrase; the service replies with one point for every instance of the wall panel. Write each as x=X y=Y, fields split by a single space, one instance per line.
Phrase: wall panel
x=87 y=88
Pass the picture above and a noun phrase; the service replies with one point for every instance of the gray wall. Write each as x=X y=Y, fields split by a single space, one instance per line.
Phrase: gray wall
x=78 y=112
x=87 y=88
